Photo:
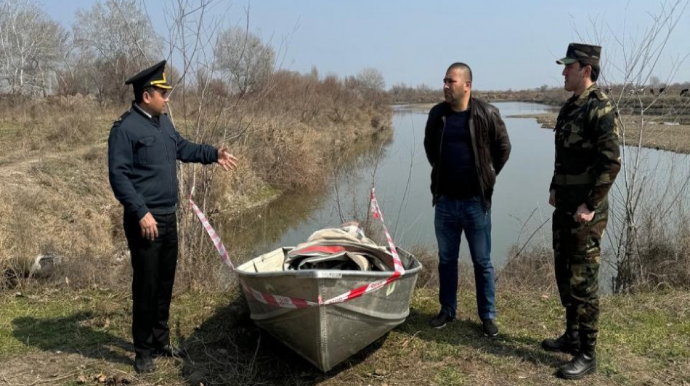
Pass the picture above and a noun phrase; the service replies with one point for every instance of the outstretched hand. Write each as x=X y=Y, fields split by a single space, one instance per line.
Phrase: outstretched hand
x=225 y=159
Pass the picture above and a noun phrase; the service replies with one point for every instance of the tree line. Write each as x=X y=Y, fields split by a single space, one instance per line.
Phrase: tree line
x=115 y=39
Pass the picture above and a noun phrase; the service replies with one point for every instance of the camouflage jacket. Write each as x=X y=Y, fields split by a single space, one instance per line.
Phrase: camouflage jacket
x=587 y=150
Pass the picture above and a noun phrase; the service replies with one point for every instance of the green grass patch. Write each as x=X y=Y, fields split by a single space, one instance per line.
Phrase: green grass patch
x=643 y=337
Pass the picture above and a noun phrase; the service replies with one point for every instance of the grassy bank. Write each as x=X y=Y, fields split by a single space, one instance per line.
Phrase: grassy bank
x=57 y=336
x=655 y=133
x=56 y=199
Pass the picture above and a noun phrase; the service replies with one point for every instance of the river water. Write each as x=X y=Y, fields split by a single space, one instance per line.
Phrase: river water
x=399 y=170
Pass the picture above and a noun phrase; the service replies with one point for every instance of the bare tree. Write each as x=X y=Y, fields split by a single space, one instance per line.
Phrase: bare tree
x=30 y=46
x=371 y=84
x=199 y=110
x=642 y=202
x=371 y=79
x=113 y=40
x=244 y=57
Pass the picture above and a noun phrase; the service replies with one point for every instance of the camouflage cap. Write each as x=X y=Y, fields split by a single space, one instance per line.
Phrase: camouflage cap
x=578 y=52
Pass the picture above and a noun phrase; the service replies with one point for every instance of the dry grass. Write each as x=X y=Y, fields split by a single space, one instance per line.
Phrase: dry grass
x=655 y=134
x=529 y=269
x=56 y=198
x=61 y=207
x=55 y=195
x=660 y=257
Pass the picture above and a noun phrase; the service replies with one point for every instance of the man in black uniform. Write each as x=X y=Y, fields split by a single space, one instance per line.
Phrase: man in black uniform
x=142 y=151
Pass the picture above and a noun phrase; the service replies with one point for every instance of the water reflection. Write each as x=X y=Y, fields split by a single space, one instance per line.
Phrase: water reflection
x=291 y=218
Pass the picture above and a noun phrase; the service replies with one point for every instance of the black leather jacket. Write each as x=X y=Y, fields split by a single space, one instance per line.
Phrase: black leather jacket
x=490 y=143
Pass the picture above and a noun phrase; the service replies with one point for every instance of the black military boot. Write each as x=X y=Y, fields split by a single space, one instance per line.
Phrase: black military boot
x=585 y=362
x=569 y=342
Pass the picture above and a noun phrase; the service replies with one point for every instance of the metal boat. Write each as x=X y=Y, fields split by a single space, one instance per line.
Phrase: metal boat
x=326 y=335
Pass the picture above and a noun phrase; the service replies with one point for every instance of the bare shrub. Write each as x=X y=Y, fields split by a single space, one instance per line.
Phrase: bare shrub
x=531 y=268
x=663 y=253
x=402 y=93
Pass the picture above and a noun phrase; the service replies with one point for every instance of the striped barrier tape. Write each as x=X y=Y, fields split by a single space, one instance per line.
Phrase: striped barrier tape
x=292 y=302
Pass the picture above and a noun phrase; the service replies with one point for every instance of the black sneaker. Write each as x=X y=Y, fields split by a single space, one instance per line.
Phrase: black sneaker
x=440 y=320
x=489 y=328
x=144 y=364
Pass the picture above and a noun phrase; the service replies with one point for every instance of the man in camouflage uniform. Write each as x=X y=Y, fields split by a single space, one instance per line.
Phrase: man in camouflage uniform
x=587 y=162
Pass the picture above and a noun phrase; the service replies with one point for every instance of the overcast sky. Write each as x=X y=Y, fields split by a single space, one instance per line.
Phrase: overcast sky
x=508 y=44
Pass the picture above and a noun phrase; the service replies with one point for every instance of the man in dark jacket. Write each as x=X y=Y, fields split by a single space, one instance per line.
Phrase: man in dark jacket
x=467 y=145
x=142 y=151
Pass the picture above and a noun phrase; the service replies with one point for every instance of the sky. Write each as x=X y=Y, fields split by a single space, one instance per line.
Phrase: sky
x=508 y=44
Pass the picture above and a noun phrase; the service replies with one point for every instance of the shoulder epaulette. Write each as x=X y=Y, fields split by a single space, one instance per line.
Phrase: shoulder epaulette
x=122 y=117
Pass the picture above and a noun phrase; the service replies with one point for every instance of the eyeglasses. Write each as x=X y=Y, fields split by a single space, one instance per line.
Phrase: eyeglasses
x=449 y=81
x=163 y=92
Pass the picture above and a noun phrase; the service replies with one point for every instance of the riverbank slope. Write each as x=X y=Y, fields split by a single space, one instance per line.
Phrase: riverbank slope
x=56 y=199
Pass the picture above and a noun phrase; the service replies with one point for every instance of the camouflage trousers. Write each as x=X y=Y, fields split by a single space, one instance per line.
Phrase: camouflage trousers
x=577 y=255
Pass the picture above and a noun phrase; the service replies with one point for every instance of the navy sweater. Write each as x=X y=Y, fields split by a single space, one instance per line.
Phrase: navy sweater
x=458 y=174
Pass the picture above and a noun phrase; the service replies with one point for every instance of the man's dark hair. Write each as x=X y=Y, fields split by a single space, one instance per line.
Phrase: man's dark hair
x=139 y=96
x=463 y=67
x=594 y=74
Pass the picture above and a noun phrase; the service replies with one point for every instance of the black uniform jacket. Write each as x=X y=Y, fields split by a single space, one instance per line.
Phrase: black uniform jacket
x=142 y=154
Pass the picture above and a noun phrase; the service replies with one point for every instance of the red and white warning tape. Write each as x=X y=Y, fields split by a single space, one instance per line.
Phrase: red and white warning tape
x=217 y=242
x=371 y=287
x=292 y=302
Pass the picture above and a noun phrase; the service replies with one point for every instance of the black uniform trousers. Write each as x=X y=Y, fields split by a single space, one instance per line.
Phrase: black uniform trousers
x=153 y=265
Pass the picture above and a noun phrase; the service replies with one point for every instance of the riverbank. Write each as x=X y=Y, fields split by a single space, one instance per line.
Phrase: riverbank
x=56 y=199
x=66 y=337
x=655 y=133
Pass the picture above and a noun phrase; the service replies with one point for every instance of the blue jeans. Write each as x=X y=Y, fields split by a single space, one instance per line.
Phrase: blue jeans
x=452 y=217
